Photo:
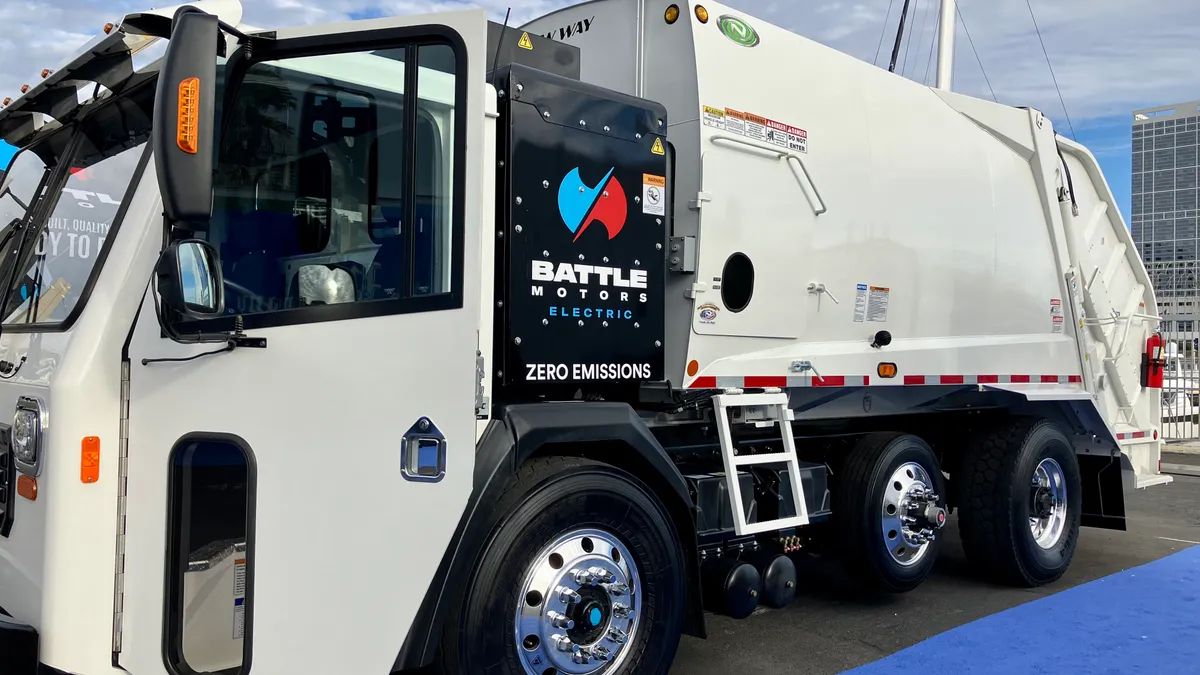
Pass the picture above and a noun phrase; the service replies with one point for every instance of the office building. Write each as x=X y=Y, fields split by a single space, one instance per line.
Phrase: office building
x=1164 y=209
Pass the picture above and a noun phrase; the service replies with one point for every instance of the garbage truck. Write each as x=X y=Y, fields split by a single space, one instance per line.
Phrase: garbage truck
x=432 y=342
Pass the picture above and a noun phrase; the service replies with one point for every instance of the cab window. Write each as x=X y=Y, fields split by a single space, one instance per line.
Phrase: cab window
x=334 y=185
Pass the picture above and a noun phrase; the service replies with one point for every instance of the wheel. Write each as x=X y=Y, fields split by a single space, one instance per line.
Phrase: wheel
x=583 y=575
x=1021 y=503
x=888 y=506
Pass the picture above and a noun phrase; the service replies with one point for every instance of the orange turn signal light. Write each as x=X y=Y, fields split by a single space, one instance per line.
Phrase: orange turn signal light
x=187 y=135
x=672 y=14
x=886 y=370
x=27 y=487
x=701 y=14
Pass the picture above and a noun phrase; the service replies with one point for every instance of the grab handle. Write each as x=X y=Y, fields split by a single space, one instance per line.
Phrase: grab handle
x=811 y=193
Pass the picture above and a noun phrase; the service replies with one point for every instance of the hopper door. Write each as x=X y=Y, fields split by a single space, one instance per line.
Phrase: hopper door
x=758 y=214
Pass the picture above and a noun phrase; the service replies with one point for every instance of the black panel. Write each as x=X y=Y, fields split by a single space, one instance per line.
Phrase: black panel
x=1103 y=493
x=580 y=259
x=530 y=49
x=18 y=648
x=766 y=495
x=8 y=483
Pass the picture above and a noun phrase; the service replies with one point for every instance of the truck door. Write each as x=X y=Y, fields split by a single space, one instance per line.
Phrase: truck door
x=288 y=501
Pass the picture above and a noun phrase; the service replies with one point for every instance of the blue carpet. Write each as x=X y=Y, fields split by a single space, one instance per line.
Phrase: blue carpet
x=1142 y=620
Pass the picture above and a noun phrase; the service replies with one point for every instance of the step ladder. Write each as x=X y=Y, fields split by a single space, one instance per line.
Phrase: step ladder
x=767 y=409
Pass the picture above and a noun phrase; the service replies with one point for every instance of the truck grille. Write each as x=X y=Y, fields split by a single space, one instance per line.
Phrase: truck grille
x=8 y=479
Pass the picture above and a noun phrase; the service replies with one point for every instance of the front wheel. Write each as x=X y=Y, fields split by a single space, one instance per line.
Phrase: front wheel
x=583 y=575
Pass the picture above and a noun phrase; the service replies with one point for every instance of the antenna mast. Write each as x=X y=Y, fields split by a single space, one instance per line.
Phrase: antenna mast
x=945 y=66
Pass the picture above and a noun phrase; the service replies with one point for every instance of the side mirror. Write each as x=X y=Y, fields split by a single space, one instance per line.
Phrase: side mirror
x=184 y=115
x=189 y=279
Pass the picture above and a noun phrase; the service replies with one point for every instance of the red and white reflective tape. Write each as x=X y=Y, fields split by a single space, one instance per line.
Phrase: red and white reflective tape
x=1130 y=435
x=794 y=381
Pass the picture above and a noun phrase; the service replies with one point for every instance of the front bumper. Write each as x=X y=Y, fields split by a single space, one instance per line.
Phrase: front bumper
x=18 y=648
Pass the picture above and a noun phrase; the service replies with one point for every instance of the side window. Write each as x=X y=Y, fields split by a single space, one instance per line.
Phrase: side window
x=210 y=549
x=334 y=184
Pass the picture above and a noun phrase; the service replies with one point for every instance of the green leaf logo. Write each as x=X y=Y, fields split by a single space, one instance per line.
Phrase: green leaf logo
x=737 y=30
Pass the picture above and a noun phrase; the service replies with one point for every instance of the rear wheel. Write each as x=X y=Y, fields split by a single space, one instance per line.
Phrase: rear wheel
x=888 y=507
x=583 y=576
x=1021 y=503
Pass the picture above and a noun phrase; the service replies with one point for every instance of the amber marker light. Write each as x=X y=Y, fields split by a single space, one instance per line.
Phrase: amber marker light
x=89 y=460
x=886 y=370
x=693 y=368
x=187 y=134
x=672 y=14
x=701 y=14
x=27 y=487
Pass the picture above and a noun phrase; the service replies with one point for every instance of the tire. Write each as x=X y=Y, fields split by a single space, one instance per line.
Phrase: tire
x=552 y=499
x=861 y=503
x=997 y=503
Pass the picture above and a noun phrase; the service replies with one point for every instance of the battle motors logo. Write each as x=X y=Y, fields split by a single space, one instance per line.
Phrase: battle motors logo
x=580 y=205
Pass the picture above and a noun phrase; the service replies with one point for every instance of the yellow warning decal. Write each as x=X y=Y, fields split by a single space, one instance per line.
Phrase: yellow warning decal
x=657 y=148
x=525 y=42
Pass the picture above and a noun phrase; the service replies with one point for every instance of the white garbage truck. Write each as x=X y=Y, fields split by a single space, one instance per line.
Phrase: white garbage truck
x=430 y=342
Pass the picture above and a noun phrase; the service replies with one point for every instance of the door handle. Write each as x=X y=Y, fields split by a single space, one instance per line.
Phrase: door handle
x=423 y=453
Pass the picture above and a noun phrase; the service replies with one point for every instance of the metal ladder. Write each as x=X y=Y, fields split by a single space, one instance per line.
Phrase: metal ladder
x=765 y=409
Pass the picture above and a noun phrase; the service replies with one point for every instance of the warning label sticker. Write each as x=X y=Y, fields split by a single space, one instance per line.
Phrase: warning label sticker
x=714 y=117
x=860 y=303
x=877 y=303
x=1056 y=315
x=756 y=127
x=239 y=598
x=654 y=194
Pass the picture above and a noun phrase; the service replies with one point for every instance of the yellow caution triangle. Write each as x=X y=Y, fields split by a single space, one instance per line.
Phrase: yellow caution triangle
x=525 y=42
x=657 y=148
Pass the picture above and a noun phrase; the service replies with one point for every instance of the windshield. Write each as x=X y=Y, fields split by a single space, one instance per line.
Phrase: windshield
x=67 y=234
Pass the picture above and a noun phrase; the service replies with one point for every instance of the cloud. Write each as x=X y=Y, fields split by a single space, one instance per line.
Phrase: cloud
x=1110 y=56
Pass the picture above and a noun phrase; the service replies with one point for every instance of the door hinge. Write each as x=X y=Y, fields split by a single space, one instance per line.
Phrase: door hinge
x=122 y=490
x=481 y=401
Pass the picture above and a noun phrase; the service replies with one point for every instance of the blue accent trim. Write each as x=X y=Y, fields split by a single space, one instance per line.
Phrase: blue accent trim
x=595 y=615
x=576 y=199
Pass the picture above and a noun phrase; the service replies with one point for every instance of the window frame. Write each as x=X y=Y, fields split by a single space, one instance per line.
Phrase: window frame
x=51 y=192
x=173 y=620
x=411 y=39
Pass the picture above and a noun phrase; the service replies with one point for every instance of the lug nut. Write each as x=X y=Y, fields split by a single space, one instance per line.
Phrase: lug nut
x=616 y=589
x=562 y=643
x=560 y=620
x=601 y=653
x=582 y=656
x=617 y=635
x=621 y=611
x=567 y=595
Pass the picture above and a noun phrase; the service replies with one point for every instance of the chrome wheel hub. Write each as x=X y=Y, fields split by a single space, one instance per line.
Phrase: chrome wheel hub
x=1048 y=503
x=580 y=605
x=911 y=514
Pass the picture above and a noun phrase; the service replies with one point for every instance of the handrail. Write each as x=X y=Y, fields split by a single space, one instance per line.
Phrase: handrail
x=814 y=199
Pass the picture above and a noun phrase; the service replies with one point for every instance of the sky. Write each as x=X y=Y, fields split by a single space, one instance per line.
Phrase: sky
x=1110 y=56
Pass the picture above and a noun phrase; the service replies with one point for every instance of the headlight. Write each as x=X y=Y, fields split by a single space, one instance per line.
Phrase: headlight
x=28 y=422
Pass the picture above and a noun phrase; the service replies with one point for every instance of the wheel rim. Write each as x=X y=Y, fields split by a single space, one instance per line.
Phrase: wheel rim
x=1048 y=503
x=910 y=514
x=580 y=606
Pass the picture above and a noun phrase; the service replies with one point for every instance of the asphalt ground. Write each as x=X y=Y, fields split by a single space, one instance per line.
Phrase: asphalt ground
x=832 y=627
